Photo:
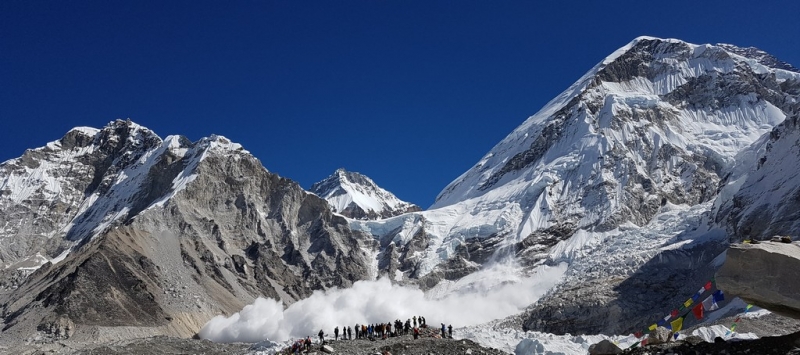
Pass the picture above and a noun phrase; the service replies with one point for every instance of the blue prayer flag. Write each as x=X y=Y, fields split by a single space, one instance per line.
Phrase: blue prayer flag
x=718 y=296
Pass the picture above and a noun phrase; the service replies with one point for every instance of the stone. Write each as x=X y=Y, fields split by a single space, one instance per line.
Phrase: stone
x=763 y=274
x=659 y=336
x=604 y=347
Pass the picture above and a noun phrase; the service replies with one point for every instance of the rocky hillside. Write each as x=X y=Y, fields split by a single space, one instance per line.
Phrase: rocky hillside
x=356 y=196
x=127 y=229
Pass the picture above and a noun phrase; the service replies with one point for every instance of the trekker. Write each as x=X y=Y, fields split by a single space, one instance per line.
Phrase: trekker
x=415 y=321
x=321 y=337
x=336 y=333
x=308 y=343
x=349 y=333
x=450 y=330
x=416 y=332
x=442 y=330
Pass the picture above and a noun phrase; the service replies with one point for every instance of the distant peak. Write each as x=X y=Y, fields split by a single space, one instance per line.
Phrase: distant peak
x=89 y=131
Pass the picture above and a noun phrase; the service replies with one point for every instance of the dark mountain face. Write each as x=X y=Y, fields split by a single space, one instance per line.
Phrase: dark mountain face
x=172 y=233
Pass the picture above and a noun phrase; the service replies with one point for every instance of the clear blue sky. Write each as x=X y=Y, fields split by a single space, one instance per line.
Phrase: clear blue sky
x=411 y=94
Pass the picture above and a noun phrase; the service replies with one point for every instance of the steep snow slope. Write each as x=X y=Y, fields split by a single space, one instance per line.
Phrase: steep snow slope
x=658 y=122
x=357 y=196
x=761 y=193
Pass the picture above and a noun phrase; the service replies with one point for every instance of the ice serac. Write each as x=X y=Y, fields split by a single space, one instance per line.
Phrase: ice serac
x=354 y=195
x=161 y=235
x=763 y=274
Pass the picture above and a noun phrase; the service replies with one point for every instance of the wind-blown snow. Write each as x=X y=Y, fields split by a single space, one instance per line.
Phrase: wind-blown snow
x=381 y=301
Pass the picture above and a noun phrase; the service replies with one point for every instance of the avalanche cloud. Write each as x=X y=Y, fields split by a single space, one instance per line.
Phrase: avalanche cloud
x=381 y=301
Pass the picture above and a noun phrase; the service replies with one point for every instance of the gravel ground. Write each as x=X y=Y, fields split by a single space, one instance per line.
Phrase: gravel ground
x=429 y=343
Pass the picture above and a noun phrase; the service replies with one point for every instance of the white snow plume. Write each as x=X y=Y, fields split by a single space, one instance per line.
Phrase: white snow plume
x=381 y=301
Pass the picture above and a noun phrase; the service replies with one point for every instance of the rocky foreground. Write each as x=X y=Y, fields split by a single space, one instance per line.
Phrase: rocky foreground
x=785 y=344
x=428 y=343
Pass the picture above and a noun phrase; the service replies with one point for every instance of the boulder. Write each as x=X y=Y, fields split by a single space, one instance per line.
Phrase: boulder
x=659 y=336
x=327 y=349
x=764 y=274
x=605 y=347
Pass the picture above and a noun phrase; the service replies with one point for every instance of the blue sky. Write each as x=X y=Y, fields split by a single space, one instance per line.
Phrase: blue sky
x=411 y=94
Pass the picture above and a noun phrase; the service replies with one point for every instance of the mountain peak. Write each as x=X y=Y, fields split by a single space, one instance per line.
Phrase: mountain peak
x=355 y=195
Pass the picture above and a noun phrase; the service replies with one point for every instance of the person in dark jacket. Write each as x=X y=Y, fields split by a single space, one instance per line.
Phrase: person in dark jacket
x=450 y=330
x=321 y=337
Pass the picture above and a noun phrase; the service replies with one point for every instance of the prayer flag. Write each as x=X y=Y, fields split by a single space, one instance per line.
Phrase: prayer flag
x=688 y=303
x=661 y=322
x=733 y=327
x=709 y=304
x=718 y=296
x=653 y=327
x=701 y=290
x=696 y=297
x=644 y=342
x=676 y=336
x=677 y=324
x=708 y=286
x=698 y=311
x=748 y=308
x=674 y=313
x=638 y=334
x=667 y=317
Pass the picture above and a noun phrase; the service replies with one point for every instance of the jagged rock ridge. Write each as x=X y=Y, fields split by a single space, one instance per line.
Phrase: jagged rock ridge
x=161 y=235
x=356 y=196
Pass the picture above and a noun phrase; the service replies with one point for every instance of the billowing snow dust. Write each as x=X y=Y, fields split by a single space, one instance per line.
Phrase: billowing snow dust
x=493 y=293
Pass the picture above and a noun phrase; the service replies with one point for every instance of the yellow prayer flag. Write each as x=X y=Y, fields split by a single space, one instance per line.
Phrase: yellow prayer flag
x=677 y=324
x=688 y=303
x=653 y=327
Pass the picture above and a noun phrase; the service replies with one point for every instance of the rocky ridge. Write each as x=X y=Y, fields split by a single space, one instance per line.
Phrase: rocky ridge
x=163 y=235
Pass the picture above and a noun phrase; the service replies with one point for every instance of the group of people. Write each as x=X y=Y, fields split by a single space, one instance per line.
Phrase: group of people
x=381 y=330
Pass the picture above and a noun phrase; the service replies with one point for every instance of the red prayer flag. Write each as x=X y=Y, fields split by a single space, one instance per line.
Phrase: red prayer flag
x=708 y=285
x=698 y=311
x=638 y=334
x=674 y=313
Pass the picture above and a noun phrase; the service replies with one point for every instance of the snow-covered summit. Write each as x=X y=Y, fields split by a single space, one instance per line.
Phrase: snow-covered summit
x=90 y=179
x=657 y=123
x=356 y=196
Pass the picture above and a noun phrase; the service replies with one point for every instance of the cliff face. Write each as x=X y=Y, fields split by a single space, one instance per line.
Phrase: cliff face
x=175 y=232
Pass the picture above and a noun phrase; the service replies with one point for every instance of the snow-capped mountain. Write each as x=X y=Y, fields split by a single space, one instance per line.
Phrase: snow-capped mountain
x=631 y=155
x=759 y=199
x=123 y=228
x=356 y=196
x=622 y=188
